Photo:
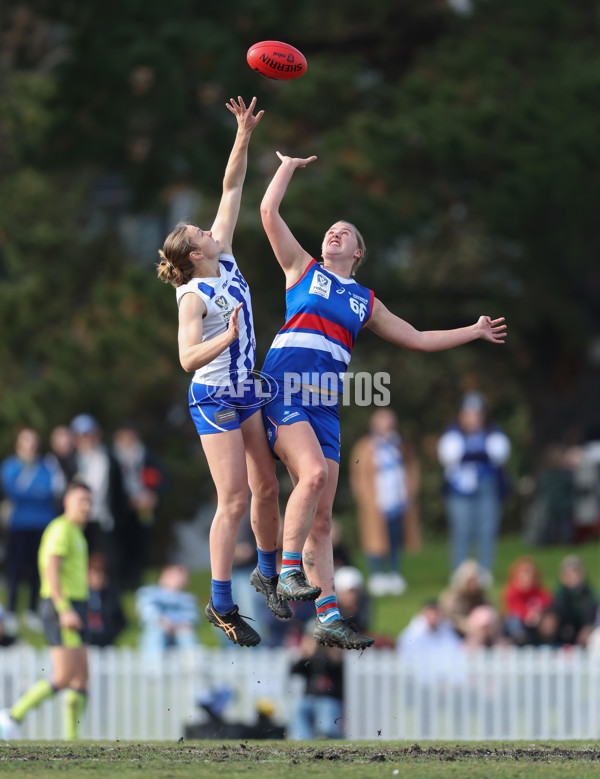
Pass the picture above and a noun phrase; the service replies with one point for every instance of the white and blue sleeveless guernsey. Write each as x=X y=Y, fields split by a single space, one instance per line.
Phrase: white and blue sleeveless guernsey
x=216 y=403
x=324 y=314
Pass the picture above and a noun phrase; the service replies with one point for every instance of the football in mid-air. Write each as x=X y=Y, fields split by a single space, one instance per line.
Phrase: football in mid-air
x=277 y=60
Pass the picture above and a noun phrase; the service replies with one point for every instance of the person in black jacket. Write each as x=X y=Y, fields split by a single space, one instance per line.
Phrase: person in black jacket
x=105 y=615
x=320 y=710
x=574 y=602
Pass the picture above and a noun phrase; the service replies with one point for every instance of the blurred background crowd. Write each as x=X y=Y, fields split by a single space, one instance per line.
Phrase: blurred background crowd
x=468 y=512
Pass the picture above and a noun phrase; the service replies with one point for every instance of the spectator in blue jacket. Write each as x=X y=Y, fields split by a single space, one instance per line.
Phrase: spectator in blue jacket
x=32 y=484
x=168 y=614
x=473 y=453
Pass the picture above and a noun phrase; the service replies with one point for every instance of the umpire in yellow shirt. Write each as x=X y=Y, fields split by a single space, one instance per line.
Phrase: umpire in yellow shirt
x=63 y=564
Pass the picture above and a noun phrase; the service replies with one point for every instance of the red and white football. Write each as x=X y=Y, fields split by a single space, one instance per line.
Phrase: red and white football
x=277 y=60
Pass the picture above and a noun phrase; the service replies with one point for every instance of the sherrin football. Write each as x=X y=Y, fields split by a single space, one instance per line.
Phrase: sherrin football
x=277 y=60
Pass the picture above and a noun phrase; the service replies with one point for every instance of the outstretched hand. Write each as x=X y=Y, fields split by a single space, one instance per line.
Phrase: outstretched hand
x=492 y=329
x=245 y=116
x=233 y=328
x=297 y=162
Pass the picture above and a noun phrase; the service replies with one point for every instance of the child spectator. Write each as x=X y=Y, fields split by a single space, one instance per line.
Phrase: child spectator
x=483 y=627
x=105 y=615
x=466 y=592
x=575 y=603
x=429 y=634
x=524 y=600
x=168 y=614
x=319 y=713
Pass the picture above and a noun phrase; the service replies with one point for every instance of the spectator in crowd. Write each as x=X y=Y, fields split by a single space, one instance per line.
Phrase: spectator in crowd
x=473 y=452
x=341 y=555
x=546 y=632
x=429 y=635
x=143 y=479
x=524 y=600
x=5 y=638
x=465 y=593
x=102 y=472
x=168 y=614
x=483 y=627
x=383 y=480
x=575 y=603
x=33 y=484
x=62 y=446
x=353 y=601
x=105 y=614
x=320 y=711
x=434 y=652
x=586 y=479
x=550 y=515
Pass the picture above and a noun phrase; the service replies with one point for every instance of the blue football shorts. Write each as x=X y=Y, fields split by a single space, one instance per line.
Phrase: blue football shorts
x=219 y=409
x=304 y=406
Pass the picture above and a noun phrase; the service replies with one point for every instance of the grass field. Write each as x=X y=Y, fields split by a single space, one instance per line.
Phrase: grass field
x=427 y=574
x=271 y=759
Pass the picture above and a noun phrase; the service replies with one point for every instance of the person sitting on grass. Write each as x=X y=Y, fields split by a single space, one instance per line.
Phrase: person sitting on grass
x=575 y=603
x=525 y=599
x=168 y=614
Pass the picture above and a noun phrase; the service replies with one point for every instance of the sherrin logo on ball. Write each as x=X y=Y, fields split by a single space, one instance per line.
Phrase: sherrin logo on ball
x=274 y=59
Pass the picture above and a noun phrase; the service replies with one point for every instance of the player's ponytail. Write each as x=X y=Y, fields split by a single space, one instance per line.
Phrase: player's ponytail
x=176 y=266
x=361 y=245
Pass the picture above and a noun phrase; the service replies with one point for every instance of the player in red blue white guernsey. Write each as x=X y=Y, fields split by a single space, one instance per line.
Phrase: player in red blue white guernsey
x=217 y=344
x=325 y=310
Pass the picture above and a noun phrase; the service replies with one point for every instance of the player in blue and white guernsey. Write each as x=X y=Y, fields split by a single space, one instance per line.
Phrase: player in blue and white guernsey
x=217 y=344
x=326 y=309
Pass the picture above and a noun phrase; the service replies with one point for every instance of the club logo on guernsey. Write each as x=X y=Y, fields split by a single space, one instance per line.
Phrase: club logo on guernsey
x=320 y=285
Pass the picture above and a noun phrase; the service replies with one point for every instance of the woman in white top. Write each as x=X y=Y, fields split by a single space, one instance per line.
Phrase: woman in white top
x=217 y=343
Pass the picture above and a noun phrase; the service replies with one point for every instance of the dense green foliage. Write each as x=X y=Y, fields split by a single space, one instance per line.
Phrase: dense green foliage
x=464 y=147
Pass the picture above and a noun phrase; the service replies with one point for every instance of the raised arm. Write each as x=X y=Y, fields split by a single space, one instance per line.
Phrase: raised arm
x=194 y=354
x=390 y=327
x=235 y=172
x=290 y=255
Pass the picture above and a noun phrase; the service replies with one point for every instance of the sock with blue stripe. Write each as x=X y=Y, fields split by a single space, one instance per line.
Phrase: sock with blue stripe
x=290 y=561
x=327 y=609
x=222 y=599
x=267 y=563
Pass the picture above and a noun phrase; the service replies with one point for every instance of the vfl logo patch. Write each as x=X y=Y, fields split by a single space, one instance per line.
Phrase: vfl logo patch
x=227 y=415
x=320 y=285
x=221 y=302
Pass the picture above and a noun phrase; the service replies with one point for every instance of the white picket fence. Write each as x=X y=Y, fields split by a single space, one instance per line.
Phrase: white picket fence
x=504 y=693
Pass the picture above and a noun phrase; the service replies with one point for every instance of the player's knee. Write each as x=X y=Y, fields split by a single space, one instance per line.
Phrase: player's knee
x=265 y=489
x=233 y=505
x=80 y=681
x=315 y=478
x=60 y=681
